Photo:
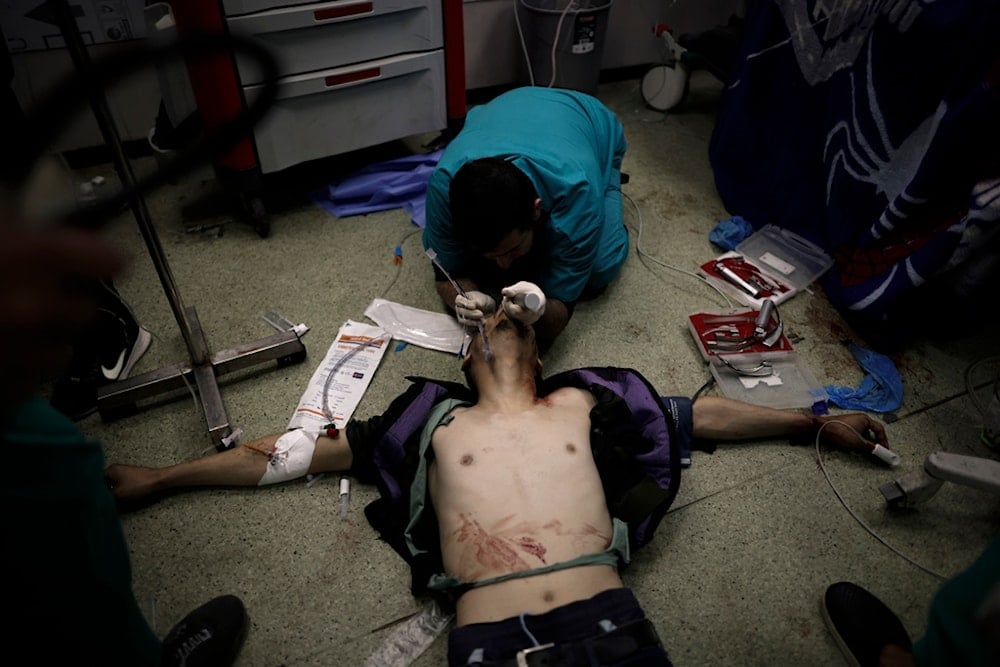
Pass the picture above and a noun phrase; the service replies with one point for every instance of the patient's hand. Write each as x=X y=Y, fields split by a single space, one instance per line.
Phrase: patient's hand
x=131 y=483
x=843 y=431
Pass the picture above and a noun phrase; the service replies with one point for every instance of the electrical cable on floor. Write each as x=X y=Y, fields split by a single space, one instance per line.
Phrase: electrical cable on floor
x=871 y=531
x=989 y=433
x=398 y=260
x=643 y=254
x=892 y=418
x=971 y=387
x=705 y=387
x=197 y=406
x=194 y=394
x=741 y=483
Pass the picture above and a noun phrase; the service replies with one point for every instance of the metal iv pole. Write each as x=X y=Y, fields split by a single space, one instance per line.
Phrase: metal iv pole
x=120 y=398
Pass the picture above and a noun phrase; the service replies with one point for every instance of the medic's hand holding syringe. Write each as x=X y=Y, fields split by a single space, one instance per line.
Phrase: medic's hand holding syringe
x=522 y=301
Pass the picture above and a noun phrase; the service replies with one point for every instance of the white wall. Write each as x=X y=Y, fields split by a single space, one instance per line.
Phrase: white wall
x=493 y=53
x=493 y=57
x=133 y=102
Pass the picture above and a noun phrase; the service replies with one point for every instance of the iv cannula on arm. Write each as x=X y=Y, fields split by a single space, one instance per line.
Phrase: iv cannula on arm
x=487 y=351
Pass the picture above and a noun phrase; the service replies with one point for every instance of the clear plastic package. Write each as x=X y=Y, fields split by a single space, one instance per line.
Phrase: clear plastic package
x=752 y=360
x=772 y=263
x=789 y=384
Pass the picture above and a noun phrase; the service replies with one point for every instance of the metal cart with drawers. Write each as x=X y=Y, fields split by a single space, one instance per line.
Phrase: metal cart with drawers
x=353 y=74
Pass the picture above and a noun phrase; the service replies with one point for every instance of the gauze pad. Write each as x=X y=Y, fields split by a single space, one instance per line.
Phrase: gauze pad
x=292 y=455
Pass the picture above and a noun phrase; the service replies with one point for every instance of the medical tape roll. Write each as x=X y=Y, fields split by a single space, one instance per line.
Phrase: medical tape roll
x=292 y=455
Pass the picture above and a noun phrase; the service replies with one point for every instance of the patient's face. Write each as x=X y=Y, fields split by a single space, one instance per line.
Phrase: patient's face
x=507 y=338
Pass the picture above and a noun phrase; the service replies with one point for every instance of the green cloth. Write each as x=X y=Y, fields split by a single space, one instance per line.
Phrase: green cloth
x=440 y=415
x=68 y=591
x=952 y=637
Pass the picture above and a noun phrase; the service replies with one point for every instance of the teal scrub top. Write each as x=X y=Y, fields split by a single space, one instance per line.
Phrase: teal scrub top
x=571 y=147
x=68 y=591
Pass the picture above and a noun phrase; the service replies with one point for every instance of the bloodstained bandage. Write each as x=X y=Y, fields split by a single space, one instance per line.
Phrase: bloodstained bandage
x=291 y=457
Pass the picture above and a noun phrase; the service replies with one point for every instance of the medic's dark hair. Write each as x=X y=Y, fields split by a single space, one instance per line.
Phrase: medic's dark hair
x=489 y=199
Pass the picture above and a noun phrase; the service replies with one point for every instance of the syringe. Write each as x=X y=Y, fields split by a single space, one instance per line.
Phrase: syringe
x=487 y=350
x=345 y=496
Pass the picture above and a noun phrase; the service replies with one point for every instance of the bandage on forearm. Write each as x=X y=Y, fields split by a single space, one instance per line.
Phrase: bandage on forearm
x=291 y=457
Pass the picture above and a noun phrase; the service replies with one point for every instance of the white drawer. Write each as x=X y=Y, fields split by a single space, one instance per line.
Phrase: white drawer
x=339 y=110
x=233 y=7
x=307 y=38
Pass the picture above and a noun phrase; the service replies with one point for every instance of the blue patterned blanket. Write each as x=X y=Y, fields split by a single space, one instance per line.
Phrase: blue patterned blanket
x=871 y=128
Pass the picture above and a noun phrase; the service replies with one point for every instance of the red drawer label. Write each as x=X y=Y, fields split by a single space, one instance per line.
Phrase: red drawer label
x=351 y=77
x=340 y=12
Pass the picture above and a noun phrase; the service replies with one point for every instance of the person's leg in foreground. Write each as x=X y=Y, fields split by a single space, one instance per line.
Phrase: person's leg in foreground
x=963 y=625
x=67 y=598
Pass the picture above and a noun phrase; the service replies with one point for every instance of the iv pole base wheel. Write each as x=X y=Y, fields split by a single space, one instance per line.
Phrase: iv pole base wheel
x=665 y=87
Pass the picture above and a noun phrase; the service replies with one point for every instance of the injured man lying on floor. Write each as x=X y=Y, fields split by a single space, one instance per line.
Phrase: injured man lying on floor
x=516 y=498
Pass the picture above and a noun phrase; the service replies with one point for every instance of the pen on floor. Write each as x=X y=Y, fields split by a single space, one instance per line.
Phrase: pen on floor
x=345 y=496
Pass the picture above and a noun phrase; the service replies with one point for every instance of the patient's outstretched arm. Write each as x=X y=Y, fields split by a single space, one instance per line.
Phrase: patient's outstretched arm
x=719 y=418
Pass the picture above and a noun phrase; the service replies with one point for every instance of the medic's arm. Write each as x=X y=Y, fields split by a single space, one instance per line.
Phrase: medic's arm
x=440 y=236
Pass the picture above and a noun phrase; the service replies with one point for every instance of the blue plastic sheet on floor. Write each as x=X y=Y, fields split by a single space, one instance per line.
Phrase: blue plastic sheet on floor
x=881 y=389
x=728 y=233
x=399 y=183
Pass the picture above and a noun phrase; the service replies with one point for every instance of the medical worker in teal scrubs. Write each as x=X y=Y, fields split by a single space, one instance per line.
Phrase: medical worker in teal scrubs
x=66 y=596
x=529 y=193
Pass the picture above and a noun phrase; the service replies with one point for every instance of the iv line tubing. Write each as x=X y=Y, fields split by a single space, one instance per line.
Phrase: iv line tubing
x=487 y=350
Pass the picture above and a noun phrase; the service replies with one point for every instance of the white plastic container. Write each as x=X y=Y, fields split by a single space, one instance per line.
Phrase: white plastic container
x=781 y=256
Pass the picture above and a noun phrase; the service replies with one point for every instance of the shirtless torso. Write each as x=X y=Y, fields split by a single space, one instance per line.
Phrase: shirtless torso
x=516 y=489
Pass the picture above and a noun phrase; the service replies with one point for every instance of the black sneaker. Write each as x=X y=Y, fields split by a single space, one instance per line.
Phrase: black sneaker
x=210 y=636
x=861 y=624
x=119 y=340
